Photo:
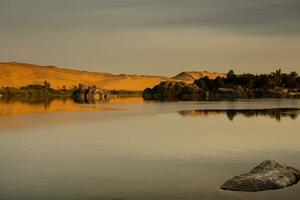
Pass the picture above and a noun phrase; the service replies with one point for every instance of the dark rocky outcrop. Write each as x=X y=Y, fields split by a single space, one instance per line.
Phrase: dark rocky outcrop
x=173 y=91
x=239 y=92
x=182 y=91
x=276 y=93
x=228 y=93
x=269 y=175
x=91 y=95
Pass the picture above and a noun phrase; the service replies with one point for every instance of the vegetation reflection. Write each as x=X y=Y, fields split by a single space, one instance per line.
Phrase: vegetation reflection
x=274 y=113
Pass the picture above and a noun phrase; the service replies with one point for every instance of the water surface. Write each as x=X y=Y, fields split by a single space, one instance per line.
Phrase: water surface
x=131 y=149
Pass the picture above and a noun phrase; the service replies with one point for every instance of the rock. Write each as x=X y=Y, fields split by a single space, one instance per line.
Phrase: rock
x=172 y=91
x=272 y=93
x=147 y=94
x=269 y=175
x=91 y=95
x=228 y=93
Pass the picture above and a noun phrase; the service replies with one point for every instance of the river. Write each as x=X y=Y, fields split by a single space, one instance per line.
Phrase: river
x=131 y=149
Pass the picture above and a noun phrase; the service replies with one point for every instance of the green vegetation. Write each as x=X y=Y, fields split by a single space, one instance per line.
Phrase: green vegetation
x=34 y=93
x=274 y=80
x=273 y=85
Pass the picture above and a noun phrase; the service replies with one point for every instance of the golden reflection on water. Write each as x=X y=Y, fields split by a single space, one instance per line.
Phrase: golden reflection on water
x=21 y=108
x=23 y=115
x=130 y=100
x=111 y=153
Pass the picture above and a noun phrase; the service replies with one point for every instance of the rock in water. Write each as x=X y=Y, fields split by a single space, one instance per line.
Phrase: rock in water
x=269 y=175
x=169 y=90
x=91 y=95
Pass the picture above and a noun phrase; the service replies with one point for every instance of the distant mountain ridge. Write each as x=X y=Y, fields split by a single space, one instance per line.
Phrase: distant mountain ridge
x=14 y=74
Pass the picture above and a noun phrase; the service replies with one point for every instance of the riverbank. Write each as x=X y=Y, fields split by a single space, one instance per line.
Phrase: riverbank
x=44 y=93
x=244 y=86
x=173 y=91
x=33 y=93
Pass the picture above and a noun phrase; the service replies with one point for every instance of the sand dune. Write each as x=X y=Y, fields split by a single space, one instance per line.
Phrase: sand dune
x=21 y=74
x=191 y=76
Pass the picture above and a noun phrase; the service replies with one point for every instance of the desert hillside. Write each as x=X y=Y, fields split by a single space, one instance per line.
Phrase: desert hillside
x=21 y=74
x=189 y=77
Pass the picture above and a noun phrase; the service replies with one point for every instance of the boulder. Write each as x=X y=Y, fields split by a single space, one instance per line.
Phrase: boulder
x=169 y=90
x=91 y=95
x=269 y=175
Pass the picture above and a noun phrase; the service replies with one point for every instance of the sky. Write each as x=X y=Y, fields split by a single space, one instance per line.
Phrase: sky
x=158 y=37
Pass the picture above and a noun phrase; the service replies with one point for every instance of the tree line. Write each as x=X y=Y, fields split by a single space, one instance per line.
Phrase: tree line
x=249 y=81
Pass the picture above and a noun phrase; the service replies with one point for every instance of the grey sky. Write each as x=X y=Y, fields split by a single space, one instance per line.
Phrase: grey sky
x=153 y=36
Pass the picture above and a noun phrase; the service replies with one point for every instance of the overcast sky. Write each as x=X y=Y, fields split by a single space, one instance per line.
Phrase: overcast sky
x=153 y=36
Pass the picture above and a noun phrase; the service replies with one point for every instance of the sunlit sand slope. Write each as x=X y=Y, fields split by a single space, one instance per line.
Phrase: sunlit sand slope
x=21 y=74
x=191 y=76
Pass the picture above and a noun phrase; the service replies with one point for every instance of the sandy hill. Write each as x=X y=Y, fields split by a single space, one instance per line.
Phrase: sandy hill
x=189 y=77
x=21 y=74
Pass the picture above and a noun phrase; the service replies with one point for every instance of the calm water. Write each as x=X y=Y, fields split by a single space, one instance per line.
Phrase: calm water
x=130 y=149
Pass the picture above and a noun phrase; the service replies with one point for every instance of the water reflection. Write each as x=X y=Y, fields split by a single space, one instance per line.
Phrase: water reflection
x=46 y=101
x=19 y=107
x=274 y=113
x=144 y=151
